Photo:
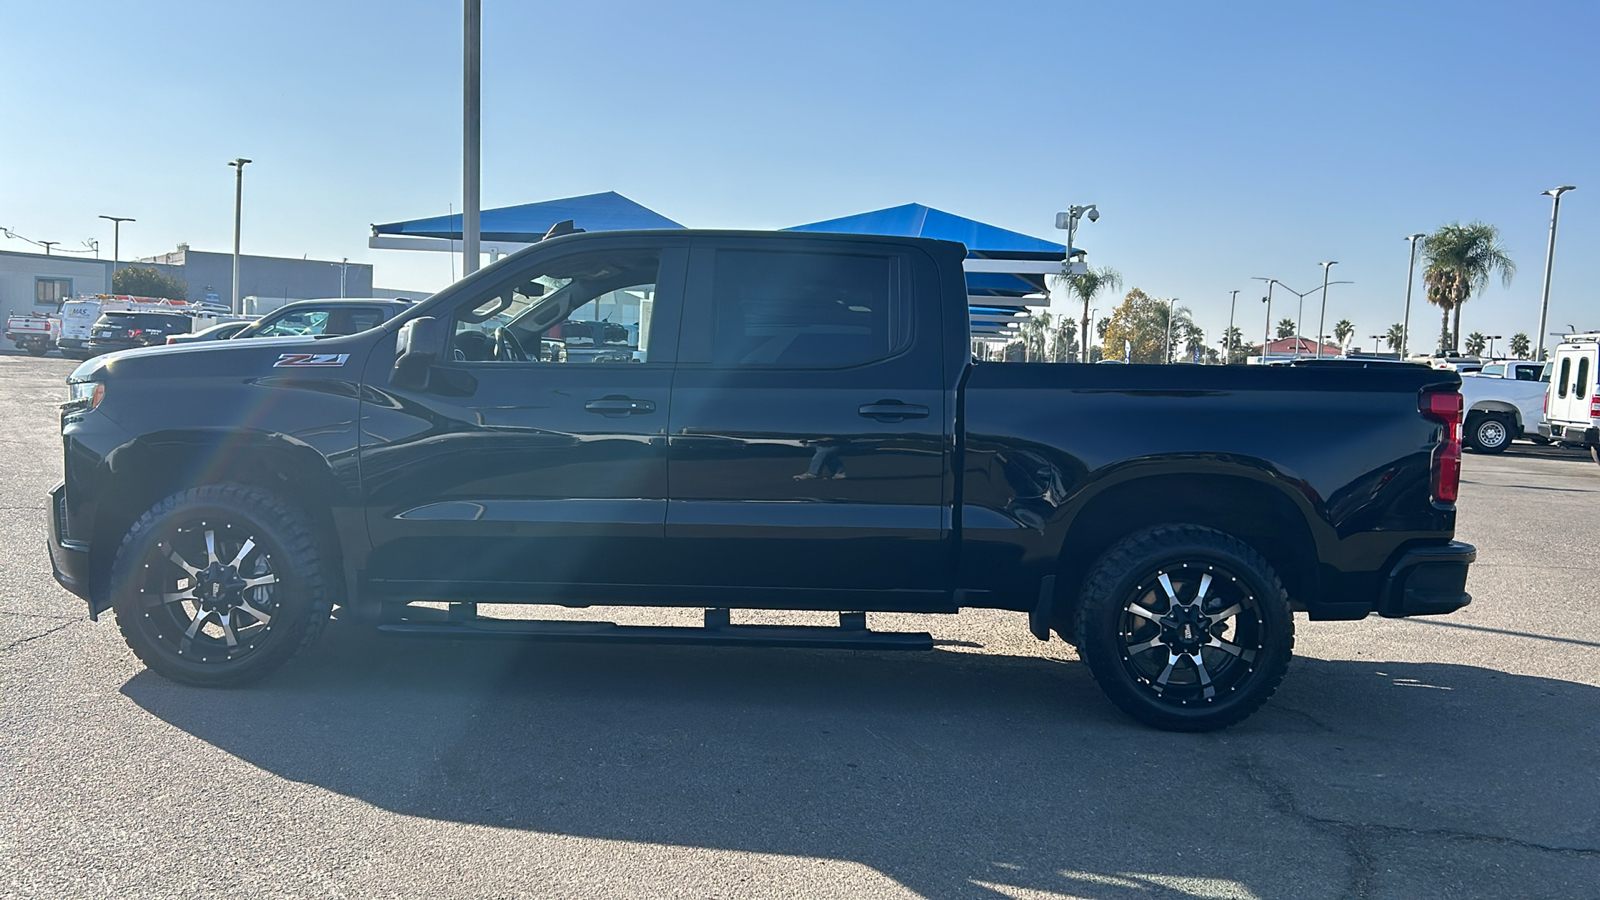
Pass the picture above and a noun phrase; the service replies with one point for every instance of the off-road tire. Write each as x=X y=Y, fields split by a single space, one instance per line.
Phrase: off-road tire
x=299 y=602
x=1232 y=573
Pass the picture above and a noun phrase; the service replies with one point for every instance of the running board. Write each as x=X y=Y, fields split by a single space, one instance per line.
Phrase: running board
x=851 y=634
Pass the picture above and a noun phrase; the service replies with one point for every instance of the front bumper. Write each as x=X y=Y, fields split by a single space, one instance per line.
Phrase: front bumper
x=69 y=559
x=1428 y=581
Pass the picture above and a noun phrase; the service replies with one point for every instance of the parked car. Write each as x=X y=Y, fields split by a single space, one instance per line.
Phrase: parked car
x=218 y=332
x=125 y=330
x=805 y=428
x=1572 y=411
x=324 y=318
x=79 y=316
x=1500 y=409
x=34 y=334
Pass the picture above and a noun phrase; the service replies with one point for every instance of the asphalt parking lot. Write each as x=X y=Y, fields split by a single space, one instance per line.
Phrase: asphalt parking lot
x=1449 y=757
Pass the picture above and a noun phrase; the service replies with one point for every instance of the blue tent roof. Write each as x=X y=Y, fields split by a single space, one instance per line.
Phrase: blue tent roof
x=609 y=211
x=915 y=220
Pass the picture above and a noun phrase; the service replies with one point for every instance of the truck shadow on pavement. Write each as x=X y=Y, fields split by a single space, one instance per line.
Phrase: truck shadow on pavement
x=955 y=774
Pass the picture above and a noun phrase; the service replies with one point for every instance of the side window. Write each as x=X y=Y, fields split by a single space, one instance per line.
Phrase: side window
x=585 y=309
x=1528 y=373
x=1496 y=371
x=353 y=321
x=1561 y=378
x=300 y=322
x=1580 y=385
x=806 y=310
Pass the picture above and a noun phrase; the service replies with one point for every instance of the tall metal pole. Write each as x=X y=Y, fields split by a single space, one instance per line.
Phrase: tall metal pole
x=473 y=32
x=1549 y=263
x=1411 y=271
x=1172 y=310
x=1322 y=318
x=1227 y=339
x=1266 y=334
x=116 y=241
x=237 y=305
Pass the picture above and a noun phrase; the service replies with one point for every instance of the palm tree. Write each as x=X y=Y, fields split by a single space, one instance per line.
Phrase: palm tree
x=1343 y=332
x=1194 y=342
x=1458 y=262
x=1089 y=285
x=1285 y=328
x=1064 y=340
x=1476 y=341
x=1035 y=334
x=1520 y=346
x=1234 y=346
x=1394 y=336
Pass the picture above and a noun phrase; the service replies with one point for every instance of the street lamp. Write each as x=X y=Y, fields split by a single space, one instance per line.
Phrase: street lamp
x=1377 y=341
x=1068 y=221
x=471 y=131
x=1492 y=339
x=343 y=265
x=236 y=307
x=1411 y=271
x=116 y=242
x=47 y=245
x=1322 y=317
x=1172 y=310
x=1227 y=349
x=1549 y=259
x=1266 y=334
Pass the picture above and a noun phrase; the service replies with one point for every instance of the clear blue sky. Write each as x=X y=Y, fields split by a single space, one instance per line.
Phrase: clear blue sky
x=1220 y=140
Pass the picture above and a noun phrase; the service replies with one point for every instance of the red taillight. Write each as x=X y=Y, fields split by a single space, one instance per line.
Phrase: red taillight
x=1594 y=405
x=172 y=340
x=135 y=332
x=1444 y=407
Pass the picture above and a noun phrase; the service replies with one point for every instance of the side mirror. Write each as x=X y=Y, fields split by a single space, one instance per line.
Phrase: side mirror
x=418 y=346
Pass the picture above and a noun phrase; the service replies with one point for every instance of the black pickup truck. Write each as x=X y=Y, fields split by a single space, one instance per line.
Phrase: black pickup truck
x=796 y=422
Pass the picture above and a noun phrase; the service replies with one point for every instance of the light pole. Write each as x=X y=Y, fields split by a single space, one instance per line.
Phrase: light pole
x=1549 y=260
x=1377 y=341
x=116 y=242
x=344 y=265
x=1172 y=310
x=236 y=307
x=47 y=245
x=1322 y=317
x=1492 y=339
x=1266 y=334
x=1227 y=339
x=1069 y=222
x=472 y=28
x=1411 y=271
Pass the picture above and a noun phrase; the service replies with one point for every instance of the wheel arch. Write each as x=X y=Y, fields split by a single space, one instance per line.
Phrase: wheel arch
x=1249 y=504
x=136 y=475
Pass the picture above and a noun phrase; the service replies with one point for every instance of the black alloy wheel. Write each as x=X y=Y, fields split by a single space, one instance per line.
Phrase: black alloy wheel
x=219 y=585
x=1185 y=628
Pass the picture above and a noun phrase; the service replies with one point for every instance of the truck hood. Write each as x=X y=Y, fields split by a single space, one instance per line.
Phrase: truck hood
x=231 y=358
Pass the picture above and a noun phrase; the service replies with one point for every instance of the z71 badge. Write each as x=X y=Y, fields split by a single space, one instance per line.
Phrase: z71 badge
x=296 y=360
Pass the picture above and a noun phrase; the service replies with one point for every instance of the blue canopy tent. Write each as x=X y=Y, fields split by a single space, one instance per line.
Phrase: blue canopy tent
x=1001 y=289
x=510 y=228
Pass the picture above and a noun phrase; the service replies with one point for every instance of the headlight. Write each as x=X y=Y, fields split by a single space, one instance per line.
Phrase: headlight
x=85 y=394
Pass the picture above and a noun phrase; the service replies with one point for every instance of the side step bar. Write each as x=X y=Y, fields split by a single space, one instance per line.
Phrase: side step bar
x=851 y=634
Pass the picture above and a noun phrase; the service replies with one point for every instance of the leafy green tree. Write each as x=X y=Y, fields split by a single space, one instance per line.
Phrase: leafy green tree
x=1089 y=285
x=1343 y=331
x=1458 y=261
x=1394 y=336
x=148 y=281
x=1476 y=342
x=1285 y=328
x=1520 y=345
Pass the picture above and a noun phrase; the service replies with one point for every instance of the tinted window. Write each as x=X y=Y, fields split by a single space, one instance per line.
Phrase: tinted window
x=298 y=322
x=1580 y=385
x=1528 y=373
x=351 y=321
x=157 y=321
x=805 y=310
x=1494 y=370
x=1561 y=380
x=586 y=309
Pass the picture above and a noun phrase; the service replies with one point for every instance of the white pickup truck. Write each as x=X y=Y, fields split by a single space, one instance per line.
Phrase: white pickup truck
x=35 y=334
x=1503 y=401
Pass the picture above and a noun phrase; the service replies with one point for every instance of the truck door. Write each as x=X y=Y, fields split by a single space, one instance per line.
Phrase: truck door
x=809 y=444
x=522 y=471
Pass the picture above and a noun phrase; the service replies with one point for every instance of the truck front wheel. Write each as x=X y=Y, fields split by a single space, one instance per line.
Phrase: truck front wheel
x=219 y=585
x=1185 y=628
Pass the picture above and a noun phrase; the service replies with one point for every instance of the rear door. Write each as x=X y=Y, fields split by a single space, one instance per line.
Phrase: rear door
x=1571 y=384
x=808 y=450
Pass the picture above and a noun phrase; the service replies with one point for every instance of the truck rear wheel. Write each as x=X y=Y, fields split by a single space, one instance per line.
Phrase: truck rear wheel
x=36 y=349
x=220 y=585
x=1489 y=432
x=1185 y=628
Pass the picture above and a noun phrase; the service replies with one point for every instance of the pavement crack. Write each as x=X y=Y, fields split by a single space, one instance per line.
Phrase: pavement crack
x=1356 y=834
x=34 y=637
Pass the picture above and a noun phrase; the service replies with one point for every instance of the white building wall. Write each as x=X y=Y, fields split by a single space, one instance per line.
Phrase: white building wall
x=19 y=273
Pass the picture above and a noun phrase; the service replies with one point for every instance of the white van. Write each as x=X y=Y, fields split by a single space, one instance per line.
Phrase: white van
x=1572 y=402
